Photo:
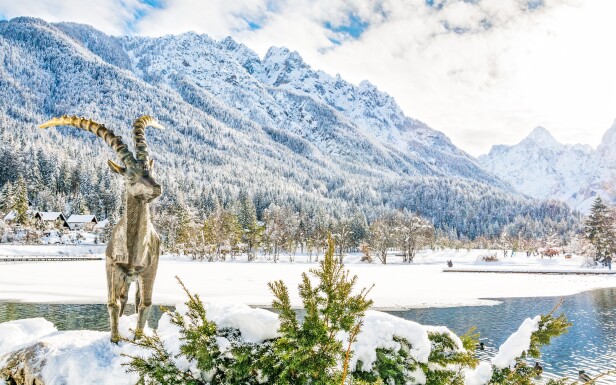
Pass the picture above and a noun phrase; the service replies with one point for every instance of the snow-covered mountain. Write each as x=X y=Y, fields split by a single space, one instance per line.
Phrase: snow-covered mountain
x=355 y=123
x=271 y=127
x=543 y=168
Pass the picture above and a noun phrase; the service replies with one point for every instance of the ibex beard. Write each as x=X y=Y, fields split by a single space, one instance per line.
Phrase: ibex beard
x=134 y=247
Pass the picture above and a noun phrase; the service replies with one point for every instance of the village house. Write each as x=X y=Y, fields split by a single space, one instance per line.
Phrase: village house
x=51 y=219
x=82 y=222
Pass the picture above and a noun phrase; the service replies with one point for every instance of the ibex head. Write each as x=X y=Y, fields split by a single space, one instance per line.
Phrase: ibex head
x=137 y=170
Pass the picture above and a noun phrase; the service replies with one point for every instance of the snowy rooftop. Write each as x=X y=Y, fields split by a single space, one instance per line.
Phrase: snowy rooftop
x=82 y=219
x=49 y=215
x=102 y=224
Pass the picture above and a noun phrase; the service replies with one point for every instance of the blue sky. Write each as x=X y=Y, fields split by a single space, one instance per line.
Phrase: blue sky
x=482 y=71
x=352 y=29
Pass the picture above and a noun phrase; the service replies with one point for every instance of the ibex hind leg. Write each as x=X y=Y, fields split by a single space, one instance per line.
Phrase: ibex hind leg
x=143 y=301
x=117 y=289
x=124 y=295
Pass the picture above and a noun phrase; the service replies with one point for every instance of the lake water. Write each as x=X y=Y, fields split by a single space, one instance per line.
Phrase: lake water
x=589 y=345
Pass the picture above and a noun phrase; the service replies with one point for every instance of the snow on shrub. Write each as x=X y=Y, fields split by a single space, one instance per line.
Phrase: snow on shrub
x=516 y=344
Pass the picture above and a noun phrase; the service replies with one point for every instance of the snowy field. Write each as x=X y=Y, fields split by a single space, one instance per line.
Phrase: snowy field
x=397 y=285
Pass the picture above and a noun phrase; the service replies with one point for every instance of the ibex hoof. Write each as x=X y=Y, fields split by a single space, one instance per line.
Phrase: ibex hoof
x=138 y=335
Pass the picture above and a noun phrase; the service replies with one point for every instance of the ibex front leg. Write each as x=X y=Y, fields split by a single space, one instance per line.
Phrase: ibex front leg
x=143 y=299
x=116 y=287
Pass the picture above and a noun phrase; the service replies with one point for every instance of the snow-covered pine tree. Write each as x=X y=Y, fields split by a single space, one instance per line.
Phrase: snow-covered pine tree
x=7 y=198
x=247 y=218
x=232 y=230
x=599 y=229
x=246 y=211
x=359 y=229
x=21 y=201
x=183 y=229
x=79 y=205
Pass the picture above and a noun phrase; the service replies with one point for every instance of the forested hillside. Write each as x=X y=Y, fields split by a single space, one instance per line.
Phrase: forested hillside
x=271 y=129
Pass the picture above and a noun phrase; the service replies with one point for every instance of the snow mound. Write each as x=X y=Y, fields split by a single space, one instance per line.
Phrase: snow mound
x=68 y=357
x=15 y=334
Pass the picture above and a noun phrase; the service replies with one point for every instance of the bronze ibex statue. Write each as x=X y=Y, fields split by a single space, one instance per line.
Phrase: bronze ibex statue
x=134 y=247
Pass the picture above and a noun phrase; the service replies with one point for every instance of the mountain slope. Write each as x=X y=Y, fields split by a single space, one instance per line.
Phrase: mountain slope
x=273 y=128
x=543 y=168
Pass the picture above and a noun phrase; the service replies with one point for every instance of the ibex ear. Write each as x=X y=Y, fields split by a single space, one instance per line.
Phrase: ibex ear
x=116 y=167
x=151 y=163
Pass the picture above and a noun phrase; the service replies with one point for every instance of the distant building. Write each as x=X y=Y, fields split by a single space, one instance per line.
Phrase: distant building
x=10 y=217
x=101 y=225
x=82 y=222
x=52 y=219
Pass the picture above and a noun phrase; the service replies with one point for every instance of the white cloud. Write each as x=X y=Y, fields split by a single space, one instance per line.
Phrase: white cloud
x=511 y=70
x=218 y=18
x=110 y=16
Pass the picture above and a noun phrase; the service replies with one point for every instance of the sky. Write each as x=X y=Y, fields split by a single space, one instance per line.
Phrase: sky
x=483 y=72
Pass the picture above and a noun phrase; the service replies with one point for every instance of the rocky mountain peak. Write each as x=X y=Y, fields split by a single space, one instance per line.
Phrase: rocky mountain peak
x=541 y=137
x=609 y=138
x=606 y=151
x=543 y=168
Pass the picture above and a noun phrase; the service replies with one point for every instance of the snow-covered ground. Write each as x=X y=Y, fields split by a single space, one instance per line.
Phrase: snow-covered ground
x=397 y=285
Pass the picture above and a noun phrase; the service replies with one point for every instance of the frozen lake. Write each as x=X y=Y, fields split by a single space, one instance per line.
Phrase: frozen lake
x=590 y=344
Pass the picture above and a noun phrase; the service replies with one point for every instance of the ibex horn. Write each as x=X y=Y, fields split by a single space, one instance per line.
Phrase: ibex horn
x=113 y=140
x=141 y=146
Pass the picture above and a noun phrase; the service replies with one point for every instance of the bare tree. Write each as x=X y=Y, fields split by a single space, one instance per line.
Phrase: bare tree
x=382 y=236
x=415 y=233
x=343 y=235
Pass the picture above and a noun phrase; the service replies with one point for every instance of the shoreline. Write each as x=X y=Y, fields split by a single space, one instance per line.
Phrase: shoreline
x=425 y=283
x=397 y=288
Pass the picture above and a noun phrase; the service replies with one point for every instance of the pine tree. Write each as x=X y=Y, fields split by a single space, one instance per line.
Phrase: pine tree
x=246 y=213
x=183 y=230
x=79 y=205
x=359 y=229
x=231 y=230
x=599 y=229
x=7 y=198
x=247 y=218
x=21 y=201
x=310 y=350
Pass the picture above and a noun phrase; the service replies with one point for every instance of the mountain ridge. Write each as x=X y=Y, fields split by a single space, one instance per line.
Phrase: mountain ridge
x=543 y=168
x=313 y=141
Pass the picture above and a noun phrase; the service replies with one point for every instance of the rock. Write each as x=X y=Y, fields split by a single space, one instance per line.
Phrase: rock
x=24 y=366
